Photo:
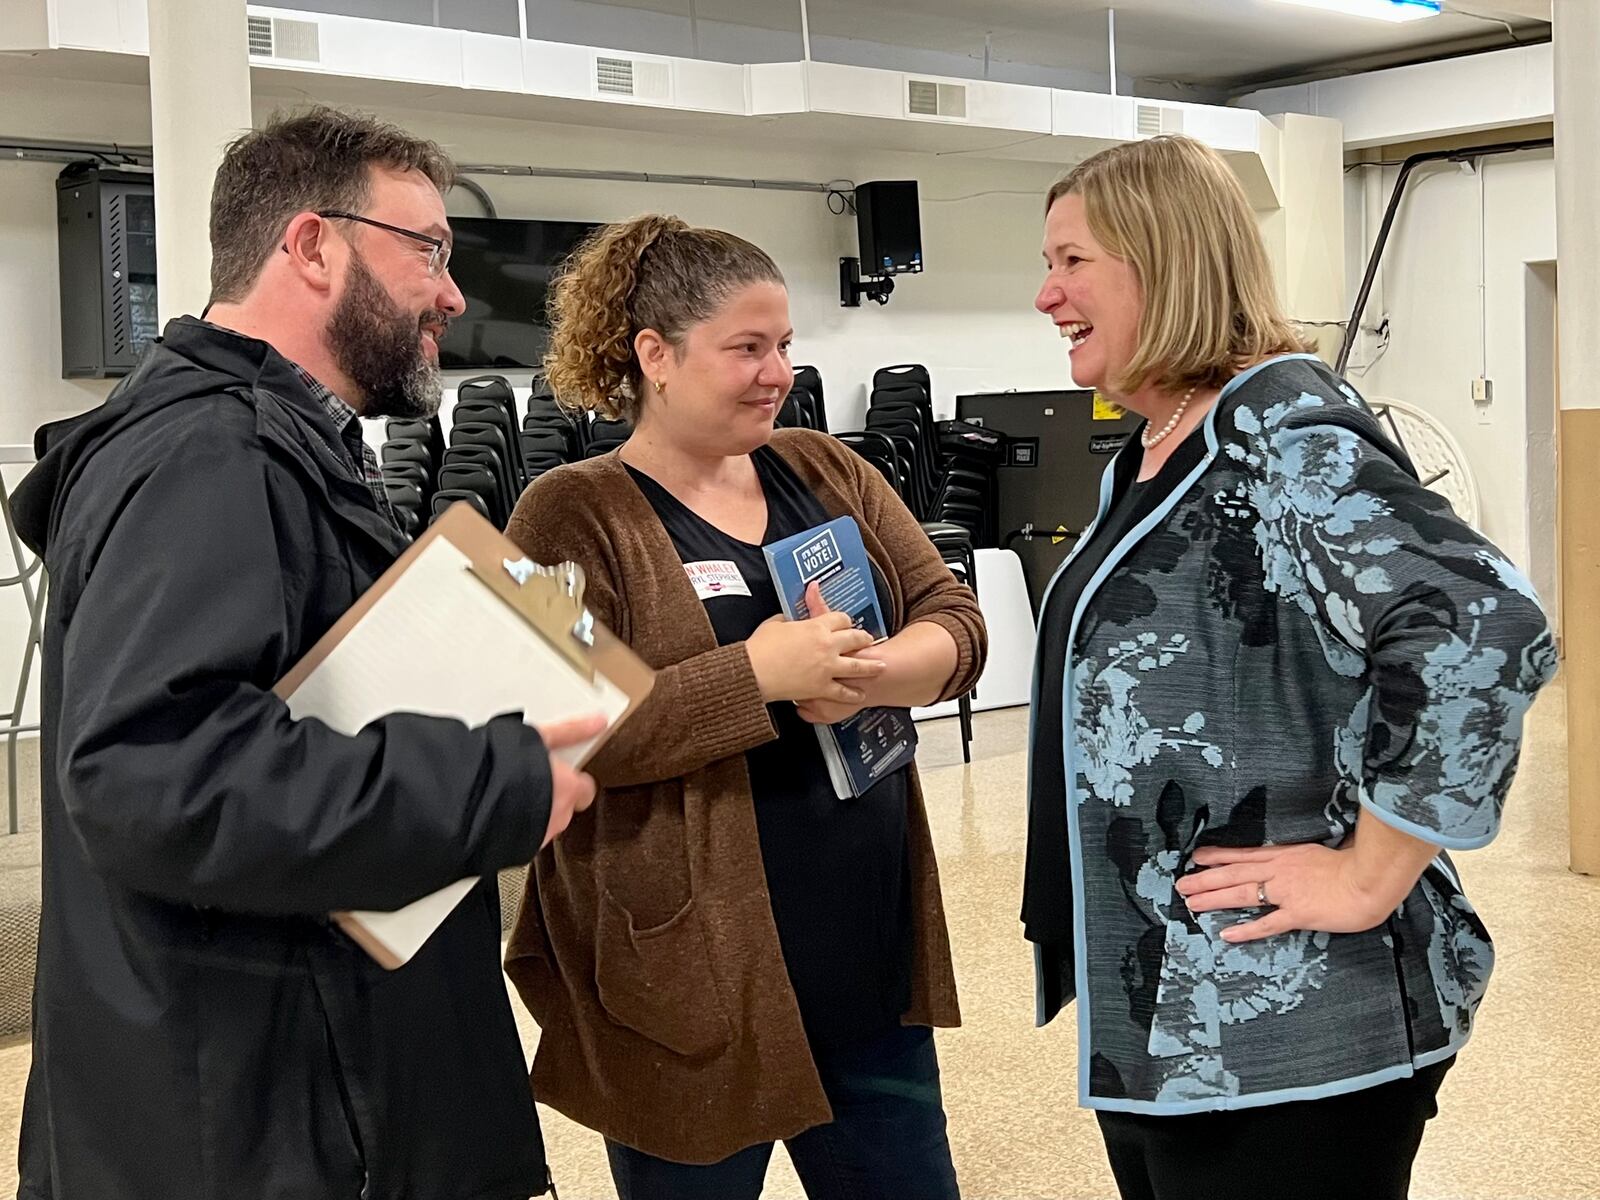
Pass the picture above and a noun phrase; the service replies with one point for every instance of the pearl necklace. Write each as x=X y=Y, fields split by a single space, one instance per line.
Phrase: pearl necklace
x=1151 y=440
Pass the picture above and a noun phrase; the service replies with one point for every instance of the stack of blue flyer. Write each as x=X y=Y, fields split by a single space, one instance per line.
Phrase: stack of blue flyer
x=863 y=749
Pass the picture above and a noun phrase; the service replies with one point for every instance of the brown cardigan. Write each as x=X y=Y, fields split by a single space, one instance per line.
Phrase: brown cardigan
x=645 y=947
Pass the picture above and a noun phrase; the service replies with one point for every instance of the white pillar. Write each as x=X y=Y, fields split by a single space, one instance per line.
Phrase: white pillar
x=1305 y=234
x=1577 y=46
x=199 y=101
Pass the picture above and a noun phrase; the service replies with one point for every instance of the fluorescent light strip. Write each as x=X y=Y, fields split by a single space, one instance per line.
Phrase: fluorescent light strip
x=1378 y=10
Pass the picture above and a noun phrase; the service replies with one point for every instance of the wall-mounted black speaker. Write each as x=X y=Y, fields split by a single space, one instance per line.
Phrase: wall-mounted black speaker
x=890 y=226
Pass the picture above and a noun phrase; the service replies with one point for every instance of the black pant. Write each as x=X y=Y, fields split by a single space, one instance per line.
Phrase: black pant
x=1358 y=1146
x=886 y=1140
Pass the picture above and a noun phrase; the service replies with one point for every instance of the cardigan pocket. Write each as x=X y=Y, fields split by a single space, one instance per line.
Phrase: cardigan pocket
x=658 y=982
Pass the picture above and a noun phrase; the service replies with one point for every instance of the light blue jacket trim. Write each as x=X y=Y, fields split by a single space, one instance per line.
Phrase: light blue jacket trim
x=1320 y=1091
x=1069 y=722
x=1107 y=478
x=1069 y=715
x=1422 y=832
x=1238 y=380
x=1039 y=1017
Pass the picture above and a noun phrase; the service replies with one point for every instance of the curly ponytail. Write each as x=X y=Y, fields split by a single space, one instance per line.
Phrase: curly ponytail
x=653 y=272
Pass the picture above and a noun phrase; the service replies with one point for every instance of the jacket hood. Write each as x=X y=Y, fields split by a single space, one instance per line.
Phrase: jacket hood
x=190 y=360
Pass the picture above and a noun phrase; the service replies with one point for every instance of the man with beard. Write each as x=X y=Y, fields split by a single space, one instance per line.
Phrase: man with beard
x=201 y=1029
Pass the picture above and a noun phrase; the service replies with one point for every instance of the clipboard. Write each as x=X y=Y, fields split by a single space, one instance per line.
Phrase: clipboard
x=464 y=626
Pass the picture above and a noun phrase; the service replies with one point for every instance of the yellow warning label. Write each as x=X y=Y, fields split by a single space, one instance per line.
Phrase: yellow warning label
x=1060 y=535
x=1106 y=410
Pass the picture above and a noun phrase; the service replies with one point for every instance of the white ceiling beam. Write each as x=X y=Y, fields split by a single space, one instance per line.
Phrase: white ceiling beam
x=1474 y=93
x=1511 y=10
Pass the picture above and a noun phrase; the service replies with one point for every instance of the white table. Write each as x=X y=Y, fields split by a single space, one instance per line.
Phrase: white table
x=1007 y=679
x=30 y=577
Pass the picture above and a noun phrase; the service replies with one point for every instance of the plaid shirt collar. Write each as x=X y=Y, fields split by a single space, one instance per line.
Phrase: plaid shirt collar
x=348 y=422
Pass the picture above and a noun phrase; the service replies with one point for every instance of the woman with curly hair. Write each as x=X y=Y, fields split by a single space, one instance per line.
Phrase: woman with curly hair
x=723 y=953
x=1277 y=680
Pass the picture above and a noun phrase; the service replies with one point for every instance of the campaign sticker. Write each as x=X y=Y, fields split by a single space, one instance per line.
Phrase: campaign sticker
x=717 y=577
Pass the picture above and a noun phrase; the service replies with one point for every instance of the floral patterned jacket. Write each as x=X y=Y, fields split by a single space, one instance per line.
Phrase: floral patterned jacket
x=1299 y=632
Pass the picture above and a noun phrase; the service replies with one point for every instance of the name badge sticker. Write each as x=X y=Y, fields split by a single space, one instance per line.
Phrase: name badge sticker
x=716 y=577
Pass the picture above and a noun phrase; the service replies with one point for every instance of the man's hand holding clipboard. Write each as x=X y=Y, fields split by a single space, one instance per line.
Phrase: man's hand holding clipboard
x=466 y=628
x=571 y=790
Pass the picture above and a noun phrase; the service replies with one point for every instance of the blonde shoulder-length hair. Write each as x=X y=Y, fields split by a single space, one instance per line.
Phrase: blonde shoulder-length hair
x=1170 y=207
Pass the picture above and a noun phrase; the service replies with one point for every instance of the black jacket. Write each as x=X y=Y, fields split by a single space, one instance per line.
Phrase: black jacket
x=201 y=1030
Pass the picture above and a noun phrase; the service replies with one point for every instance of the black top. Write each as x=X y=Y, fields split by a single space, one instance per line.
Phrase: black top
x=837 y=870
x=1047 y=887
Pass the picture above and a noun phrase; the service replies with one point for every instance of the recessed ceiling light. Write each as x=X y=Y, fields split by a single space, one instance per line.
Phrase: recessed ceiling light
x=1378 y=10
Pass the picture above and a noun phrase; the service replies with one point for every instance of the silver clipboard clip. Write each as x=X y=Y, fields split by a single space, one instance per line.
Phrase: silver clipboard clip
x=551 y=600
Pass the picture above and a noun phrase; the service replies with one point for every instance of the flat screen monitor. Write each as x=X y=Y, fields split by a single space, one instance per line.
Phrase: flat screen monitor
x=504 y=268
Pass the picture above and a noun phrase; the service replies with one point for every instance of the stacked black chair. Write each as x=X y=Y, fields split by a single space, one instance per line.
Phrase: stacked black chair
x=445 y=497
x=901 y=408
x=802 y=408
x=954 y=544
x=795 y=413
x=544 y=450
x=808 y=382
x=550 y=436
x=411 y=456
x=972 y=456
x=881 y=452
x=503 y=456
x=407 y=501
x=460 y=480
x=605 y=436
x=485 y=404
x=418 y=429
x=489 y=389
x=483 y=463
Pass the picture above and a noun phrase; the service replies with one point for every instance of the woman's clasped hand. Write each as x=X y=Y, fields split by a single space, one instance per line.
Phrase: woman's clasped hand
x=813 y=660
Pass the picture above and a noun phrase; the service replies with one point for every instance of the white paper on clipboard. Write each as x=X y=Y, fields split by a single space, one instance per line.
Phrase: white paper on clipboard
x=438 y=641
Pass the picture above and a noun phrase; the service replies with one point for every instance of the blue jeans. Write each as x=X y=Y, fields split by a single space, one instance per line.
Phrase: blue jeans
x=886 y=1141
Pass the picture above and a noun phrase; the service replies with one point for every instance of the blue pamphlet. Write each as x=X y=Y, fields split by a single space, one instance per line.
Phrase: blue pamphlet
x=876 y=742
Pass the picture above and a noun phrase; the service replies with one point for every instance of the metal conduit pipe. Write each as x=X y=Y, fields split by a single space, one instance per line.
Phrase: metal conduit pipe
x=478 y=192
x=776 y=185
x=113 y=154
x=1464 y=154
x=21 y=149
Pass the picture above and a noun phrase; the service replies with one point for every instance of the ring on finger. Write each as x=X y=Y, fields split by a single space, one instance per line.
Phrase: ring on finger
x=1261 y=895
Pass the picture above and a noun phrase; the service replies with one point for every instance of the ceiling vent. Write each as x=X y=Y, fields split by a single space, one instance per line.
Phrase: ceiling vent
x=926 y=98
x=642 y=79
x=275 y=37
x=1152 y=120
x=260 y=35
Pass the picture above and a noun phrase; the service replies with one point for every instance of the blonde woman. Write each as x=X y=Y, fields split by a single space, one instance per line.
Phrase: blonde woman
x=725 y=954
x=1277 y=680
